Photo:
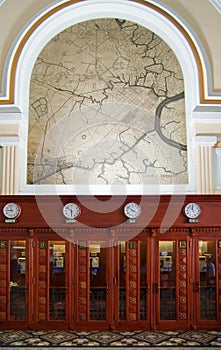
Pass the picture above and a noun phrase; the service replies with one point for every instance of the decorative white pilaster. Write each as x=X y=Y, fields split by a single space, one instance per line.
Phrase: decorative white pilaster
x=9 y=170
x=204 y=164
x=217 y=166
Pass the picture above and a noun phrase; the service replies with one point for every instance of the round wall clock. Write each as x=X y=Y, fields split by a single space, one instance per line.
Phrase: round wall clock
x=11 y=210
x=132 y=210
x=192 y=210
x=71 y=210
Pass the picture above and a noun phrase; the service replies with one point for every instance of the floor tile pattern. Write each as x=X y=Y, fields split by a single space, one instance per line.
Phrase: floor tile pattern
x=116 y=339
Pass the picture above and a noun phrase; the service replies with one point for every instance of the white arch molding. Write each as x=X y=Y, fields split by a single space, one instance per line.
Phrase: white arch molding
x=216 y=4
x=66 y=13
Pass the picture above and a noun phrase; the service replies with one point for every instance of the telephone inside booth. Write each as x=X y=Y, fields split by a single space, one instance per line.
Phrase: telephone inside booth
x=94 y=259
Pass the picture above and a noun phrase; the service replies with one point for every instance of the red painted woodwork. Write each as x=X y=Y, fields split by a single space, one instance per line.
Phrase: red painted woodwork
x=46 y=211
x=42 y=280
x=82 y=281
x=161 y=219
x=3 y=279
x=132 y=277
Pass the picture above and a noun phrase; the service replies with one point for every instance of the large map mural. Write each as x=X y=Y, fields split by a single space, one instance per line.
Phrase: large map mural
x=107 y=106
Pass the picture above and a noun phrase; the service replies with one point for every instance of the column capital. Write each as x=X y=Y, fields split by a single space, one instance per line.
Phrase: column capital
x=9 y=141
x=206 y=140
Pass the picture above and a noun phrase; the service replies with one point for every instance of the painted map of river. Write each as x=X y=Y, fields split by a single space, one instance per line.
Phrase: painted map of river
x=107 y=106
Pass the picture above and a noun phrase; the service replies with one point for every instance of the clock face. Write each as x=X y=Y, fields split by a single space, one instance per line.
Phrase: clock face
x=192 y=210
x=132 y=210
x=71 y=210
x=11 y=210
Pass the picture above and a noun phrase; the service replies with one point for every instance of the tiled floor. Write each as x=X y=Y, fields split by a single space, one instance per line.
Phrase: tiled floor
x=116 y=339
